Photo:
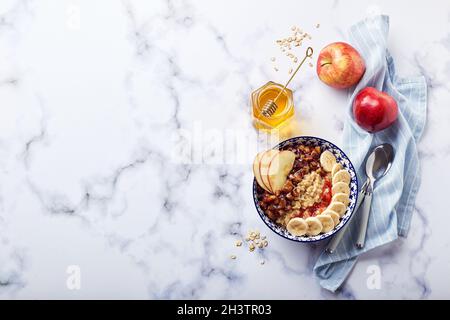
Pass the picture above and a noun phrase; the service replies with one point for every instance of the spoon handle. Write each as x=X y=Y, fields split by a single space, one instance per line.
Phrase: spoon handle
x=365 y=211
x=332 y=245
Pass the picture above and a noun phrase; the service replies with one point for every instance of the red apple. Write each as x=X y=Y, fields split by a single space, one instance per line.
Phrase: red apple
x=339 y=65
x=374 y=110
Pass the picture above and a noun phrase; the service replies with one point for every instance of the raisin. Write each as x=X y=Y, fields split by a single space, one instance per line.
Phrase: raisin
x=272 y=215
x=269 y=198
x=288 y=186
x=298 y=175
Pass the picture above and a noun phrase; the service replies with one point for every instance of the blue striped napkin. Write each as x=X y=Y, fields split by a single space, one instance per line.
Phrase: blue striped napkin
x=394 y=195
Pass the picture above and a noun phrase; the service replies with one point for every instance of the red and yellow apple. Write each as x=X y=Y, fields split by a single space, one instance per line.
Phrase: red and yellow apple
x=280 y=166
x=339 y=65
x=271 y=169
x=374 y=110
x=261 y=166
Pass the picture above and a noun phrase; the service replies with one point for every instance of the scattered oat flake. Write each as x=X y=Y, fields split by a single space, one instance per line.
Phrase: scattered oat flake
x=262 y=262
x=293 y=28
x=318 y=25
x=233 y=257
x=272 y=59
x=275 y=68
x=238 y=243
x=310 y=64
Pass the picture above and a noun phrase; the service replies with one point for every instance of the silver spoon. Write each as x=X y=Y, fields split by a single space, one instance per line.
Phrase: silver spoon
x=377 y=165
x=387 y=148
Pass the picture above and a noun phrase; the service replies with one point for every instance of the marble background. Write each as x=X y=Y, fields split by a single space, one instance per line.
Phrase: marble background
x=96 y=95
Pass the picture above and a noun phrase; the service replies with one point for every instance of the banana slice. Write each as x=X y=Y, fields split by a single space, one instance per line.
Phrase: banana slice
x=333 y=215
x=341 y=176
x=340 y=187
x=341 y=197
x=327 y=160
x=327 y=222
x=314 y=226
x=337 y=207
x=336 y=168
x=297 y=226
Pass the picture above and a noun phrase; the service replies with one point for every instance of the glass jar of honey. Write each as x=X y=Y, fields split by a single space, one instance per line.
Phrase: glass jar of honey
x=284 y=111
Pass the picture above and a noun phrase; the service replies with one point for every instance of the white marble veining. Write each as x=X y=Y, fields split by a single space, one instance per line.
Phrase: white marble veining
x=95 y=95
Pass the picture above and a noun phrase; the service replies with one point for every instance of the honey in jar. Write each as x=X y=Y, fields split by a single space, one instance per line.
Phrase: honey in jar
x=283 y=113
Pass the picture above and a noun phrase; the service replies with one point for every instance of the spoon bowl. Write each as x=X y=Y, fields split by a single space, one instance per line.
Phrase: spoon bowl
x=379 y=161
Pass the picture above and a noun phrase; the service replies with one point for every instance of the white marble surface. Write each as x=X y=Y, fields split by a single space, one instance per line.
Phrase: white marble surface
x=92 y=96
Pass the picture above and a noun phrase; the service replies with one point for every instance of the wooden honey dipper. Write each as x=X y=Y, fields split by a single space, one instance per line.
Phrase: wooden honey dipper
x=270 y=106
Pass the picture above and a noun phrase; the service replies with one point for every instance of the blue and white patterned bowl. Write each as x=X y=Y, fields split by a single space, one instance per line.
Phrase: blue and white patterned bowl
x=342 y=158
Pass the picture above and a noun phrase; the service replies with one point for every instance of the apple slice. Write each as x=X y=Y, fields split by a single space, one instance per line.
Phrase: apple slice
x=256 y=172
x=264 y=164
x=279 y=168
